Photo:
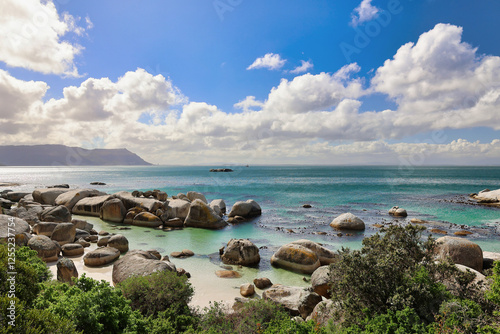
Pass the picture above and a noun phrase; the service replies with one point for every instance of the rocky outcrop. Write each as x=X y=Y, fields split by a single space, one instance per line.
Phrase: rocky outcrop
x=70 y=198
x=241 y=252
x=101 y=256
x=461 y=251
x=64 y=233
x=296 y=258
x=193 y=195
x=148 y=204
x=47 y=249
x=247 y=209
x=119 y=242
x=488 y=197
x=113 y=211
x=348 y=221
x=220 y=203
x=82 y=225
x=44 y=228
x=396 y=211
x=177 y=208
x=66 y=270
x=11 y=226
x=90 y=206
x=15 y=196
x=325 y=255
x=147 y=219
x=57 y=214
x=295 y=300
x=138 y=263
x=320 y=281
x=202 y=216
x=48 y=195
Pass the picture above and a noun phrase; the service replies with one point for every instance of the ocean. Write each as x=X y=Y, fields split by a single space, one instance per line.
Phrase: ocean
x=429 y=193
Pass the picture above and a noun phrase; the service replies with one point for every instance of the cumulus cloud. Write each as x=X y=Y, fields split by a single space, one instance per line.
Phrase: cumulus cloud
x=363 y=13
x=271 y=61
x=304 y=67
x=31 y=33
x=248 y=104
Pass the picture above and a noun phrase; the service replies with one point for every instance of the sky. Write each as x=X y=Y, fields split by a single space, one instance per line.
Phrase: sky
x=198 y=82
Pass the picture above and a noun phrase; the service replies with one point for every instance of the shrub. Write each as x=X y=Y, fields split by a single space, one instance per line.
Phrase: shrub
x=458 y=316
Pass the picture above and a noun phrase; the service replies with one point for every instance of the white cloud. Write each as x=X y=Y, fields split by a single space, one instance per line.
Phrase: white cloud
x=363 y=13
x=248 y=104
x=31 y=32
x=304 y=67
x=270 y=61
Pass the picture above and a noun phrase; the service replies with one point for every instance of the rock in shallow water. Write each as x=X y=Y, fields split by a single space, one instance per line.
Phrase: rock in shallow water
x=348 y=221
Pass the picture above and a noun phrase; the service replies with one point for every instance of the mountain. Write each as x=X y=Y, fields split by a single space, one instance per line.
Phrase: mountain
x=57 y=155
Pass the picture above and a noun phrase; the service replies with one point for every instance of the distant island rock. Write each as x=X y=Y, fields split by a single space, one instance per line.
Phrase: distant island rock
x=221 y=170
x=61 y=155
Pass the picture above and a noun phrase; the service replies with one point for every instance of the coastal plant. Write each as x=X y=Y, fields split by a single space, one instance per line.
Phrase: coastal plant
x=94 y=307
x=393 y=271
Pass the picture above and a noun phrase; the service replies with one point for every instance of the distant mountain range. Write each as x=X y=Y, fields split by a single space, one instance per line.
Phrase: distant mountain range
x=57 y=155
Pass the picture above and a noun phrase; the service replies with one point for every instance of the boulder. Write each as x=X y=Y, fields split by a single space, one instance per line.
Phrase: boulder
x=119 y=242
x=247 y=209
x=396 y=211
x=5 y=203
x=320 y=281
x=241 y=252
x=90 y=206
x=62 y=185
x=325 y=255
x=103 y=241
x=148 y=204
x=64 y=233
x=193 y=195
x=66 y=270
x=72 y=250
x=295 y=300
x=70 y=198
x=11 y=226
x=44 y=228
x=82 y=242
x=101 y=256
x=220 y=203
x=30 y=213
x=174 y=222
x=81 y=234
x=15 y=196
x=147 y=219
x=262 y=283
x=183 y=197
x=227 y=274
x=22 y=239
x=479 y=279
x=113 y=211
x=247 y=290
x=47 y=249
x=82 y=225
x=323 y=312
x=131 y=213
x=48 y=195
x=160 y=195
x=182 y=254
x=201 y=215
x=296 y=258
x=177 y=208
x=347 y=221
x=57 y=214
x=489 y=259
x=138 y=263
x=461 y=251
x=156 y=254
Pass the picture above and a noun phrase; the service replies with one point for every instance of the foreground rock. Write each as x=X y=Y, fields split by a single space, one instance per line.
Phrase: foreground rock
x=489 y=259
x=66 y=270
x=241 y=252
x=47 y=249
x=348 y=221
x=202 y=216
x=64 y=233
x=461 y=251
x=296 y=258
x=101 y=256
x=44 y=228
x=113 y=211
x=295 y=300
x=320 y=281
x=262 y=283
x=219 y=203
x=119 y=242
x=247 y=290
x=58 y=214
x=16 y=225
x=70 y=198
x=90 y=206
x=248 y=209
x=396 y=211
x=72 y=250
x=138 y=262
x=323 y=312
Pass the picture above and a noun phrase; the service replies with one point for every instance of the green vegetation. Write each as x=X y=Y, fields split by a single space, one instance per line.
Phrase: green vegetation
x=391 y=285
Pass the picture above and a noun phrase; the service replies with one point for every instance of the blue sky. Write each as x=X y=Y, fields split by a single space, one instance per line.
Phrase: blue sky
x=162 y=78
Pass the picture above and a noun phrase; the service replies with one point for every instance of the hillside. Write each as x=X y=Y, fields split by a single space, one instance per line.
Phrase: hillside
x=56 y=155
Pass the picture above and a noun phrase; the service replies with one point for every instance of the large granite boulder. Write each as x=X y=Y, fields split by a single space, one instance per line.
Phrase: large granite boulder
x=138 y=263
x=347 y=221
x=220 y=203
x=47 y=249
x=90 y=206
x=177 y=208
x=296 y=258
x=29 y=213
x=47 y=195
x=247 y=209
x=241 y=252
x=15 y=196
x=11 y=226
x=148 y=204
x=461 y=251
x=101 y=256
x=64 y=233
x=113 y=211
x=147 y=219
x=193 y=195
x=44 y=228
x=320 y=281
x=82 y=225
x=323 y=312
x=262 y=283
x=81 y=234
x=56 y=214
x=295 y=300
x=325 y=255
x=201 y=215
x=119 y=242
x=247 y=290
x=72 y=250
x=396 y=211
x=70 y=198
x=66 y=270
